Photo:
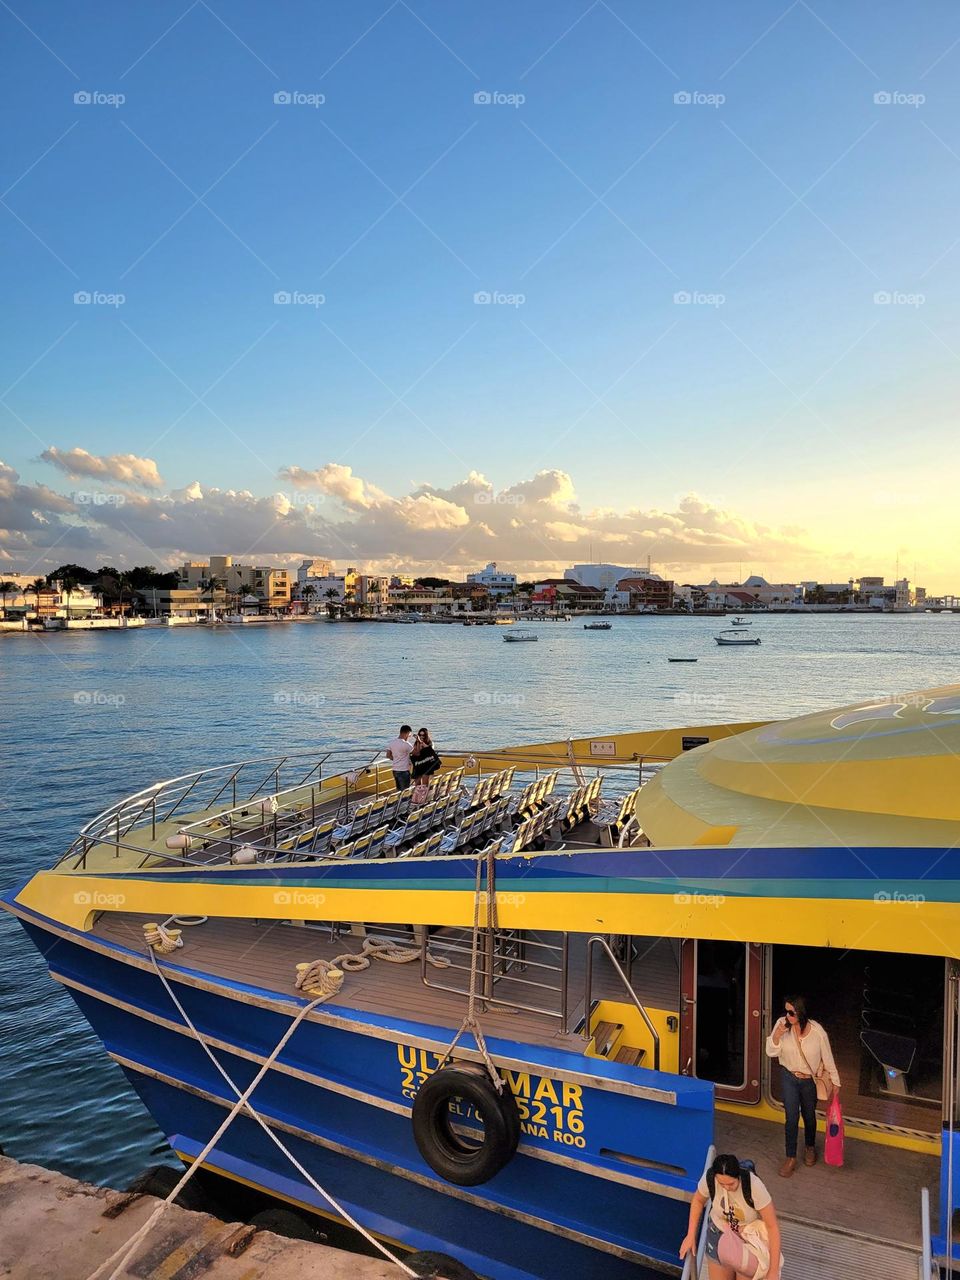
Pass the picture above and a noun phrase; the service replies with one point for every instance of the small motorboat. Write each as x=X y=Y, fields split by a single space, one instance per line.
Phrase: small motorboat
x=734 y=637
x=742 y=622
x=597 y=626
x=681 y=659
x=510 y=636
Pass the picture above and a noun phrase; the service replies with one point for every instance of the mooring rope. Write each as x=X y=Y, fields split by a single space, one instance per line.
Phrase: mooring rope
x=471 y=1021
x=122 y=1256
x=324 y=978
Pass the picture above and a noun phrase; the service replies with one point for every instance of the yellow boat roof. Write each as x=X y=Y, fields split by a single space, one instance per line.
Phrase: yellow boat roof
x=881 y=772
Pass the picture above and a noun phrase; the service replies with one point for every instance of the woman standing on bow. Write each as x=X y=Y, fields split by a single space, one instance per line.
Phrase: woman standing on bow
x=808 y=1073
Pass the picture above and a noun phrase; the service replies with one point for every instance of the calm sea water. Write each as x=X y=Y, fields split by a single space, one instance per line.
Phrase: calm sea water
x=88 y=718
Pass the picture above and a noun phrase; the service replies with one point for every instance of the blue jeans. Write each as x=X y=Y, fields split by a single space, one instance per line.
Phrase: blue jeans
x=799 y=1098
x=401 y=779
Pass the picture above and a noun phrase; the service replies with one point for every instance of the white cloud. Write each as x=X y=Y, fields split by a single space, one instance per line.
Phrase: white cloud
x=534 y=526
x=115 y=468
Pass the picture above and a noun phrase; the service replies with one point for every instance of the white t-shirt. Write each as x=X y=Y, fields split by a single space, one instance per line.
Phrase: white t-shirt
x=400 y=749
x=728 y=1203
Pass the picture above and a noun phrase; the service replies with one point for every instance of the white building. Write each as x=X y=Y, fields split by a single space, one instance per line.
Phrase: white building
x=497 y=583
x=314 y=569
x=604 y=577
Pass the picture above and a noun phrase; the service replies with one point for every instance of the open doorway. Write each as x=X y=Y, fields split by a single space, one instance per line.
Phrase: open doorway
x=883 y=1013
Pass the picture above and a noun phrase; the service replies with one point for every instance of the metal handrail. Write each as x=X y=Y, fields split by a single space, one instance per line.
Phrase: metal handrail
x=634 y=999
x=688 y=1273
x=926 y=1258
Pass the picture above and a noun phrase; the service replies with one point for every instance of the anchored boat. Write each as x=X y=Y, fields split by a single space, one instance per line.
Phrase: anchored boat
x=633 y=918
x=734 y=637
x=520 y=634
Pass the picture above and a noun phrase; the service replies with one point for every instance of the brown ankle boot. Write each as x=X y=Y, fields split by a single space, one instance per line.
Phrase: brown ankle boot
x=810 y=1156
x=788 y=1166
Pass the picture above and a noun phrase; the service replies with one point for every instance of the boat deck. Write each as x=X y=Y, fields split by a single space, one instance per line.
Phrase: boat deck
x=876 y=1194
x=266 y=954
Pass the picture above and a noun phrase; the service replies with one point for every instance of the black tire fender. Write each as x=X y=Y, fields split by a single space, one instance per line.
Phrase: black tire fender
x=465 y=1163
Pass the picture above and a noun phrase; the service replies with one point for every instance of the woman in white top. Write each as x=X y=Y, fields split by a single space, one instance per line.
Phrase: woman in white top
x=803 y=1048
x=737 y=1198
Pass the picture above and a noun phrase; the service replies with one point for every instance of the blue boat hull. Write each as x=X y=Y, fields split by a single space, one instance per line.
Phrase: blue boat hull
x=598 y=1187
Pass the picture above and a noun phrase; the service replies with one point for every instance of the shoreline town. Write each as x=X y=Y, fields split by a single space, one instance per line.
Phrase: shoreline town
x=222 y=591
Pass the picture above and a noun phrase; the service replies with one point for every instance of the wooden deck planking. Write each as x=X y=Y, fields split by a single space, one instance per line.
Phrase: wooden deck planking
x=875 y=1193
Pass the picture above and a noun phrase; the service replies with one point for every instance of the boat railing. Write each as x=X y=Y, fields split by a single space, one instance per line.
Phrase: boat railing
x=929 y=1270
x=239 y=784
x=271 y=804
x=505 y=959
x=695 y=1259
x=598 y=941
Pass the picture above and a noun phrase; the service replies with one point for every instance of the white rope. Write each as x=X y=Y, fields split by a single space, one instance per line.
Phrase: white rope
x=324 y=978
x=124 y=1253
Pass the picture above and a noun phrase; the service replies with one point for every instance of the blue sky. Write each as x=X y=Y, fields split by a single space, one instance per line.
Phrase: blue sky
x=815 y=423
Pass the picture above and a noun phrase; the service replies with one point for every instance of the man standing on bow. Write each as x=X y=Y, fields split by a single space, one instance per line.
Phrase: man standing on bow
x=398 y=753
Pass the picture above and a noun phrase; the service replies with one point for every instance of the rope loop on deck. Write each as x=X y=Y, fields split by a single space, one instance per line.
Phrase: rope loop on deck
x=324 y=978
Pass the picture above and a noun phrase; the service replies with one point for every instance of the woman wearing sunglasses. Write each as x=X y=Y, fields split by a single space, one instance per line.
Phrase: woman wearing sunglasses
x=803 y=1048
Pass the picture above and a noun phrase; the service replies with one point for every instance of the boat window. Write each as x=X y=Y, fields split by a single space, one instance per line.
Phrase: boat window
x=721 y=1011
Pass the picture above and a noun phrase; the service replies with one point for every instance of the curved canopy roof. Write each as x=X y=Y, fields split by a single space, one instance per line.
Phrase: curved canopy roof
x=883 y=772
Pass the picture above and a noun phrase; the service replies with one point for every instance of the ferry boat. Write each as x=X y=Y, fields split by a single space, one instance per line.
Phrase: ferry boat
x=519 y=635
x=630 y=922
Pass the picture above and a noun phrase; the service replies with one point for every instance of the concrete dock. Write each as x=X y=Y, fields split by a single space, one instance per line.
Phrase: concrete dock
x=55 y=1228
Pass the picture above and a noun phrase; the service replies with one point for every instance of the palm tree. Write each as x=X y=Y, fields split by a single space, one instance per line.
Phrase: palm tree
x=333 y=596
x=68 y=586
x=37 y=587
x=307 y=594
x=8 y=589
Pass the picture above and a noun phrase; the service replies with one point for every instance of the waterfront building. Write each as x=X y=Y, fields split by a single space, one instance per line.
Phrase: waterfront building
x=183 y=602
x=496 y=582
x=604 y=577
x=566 y=595
x=312 y=569
x=643 y=593
x=265 y=582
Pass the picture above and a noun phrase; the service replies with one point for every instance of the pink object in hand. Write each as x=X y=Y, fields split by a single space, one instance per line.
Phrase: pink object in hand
x=732 y=1251
x=833 y=1143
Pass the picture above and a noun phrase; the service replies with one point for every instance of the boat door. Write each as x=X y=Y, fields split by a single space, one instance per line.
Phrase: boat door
x=720 y=1024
